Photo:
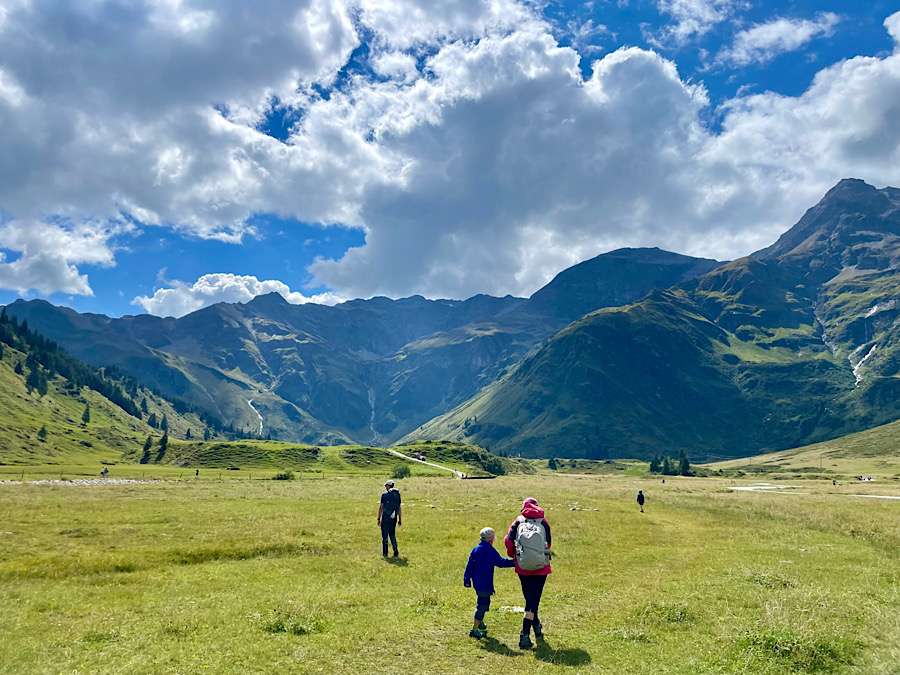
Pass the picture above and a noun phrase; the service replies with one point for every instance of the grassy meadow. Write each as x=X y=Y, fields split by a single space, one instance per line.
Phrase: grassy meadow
x=261 y=576
x=873 y=452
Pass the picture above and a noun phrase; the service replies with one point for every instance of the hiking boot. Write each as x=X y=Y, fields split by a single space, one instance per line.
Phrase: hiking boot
x=525 y=641
x=477 y=633
x=483 y=626
x=538 y=632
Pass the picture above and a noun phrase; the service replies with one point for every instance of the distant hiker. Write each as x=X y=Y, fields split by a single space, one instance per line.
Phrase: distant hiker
x=664 y=481
x=528 y=541
x=389 y=517
x=480 y=574
x=196 y=473
x=105 y=472
x=640 y=500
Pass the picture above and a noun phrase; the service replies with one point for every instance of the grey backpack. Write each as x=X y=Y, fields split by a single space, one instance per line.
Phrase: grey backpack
x=531 y=545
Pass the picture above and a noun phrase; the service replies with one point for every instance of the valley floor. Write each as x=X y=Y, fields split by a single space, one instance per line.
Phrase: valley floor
x=256 y=575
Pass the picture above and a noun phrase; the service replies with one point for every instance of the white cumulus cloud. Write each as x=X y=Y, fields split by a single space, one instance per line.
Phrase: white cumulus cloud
x=47 y=255
x=764 y=41
x=480 y=160
x=514 y=166
x=692 y=18
x=180 y=298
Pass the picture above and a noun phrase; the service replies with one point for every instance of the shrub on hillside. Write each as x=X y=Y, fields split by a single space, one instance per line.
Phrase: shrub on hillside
x=493 y=464
x=401 y=471
x=283 y=475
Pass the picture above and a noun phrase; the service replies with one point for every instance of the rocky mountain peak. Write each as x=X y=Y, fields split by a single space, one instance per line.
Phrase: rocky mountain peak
x=855 y=224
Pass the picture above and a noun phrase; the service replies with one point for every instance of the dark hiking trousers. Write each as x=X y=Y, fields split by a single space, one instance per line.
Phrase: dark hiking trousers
x=532 y=588
x=388 y=530
x=482 y=605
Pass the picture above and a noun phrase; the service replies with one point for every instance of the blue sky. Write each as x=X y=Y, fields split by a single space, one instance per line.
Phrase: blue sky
x=398 y=141
x=282 y=249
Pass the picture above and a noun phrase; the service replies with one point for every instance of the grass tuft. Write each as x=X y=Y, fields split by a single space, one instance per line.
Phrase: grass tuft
x=292 y=620
x=429 y=601
x=770 y=580
x=178 y=629
x=662 y=613
x=800 y=652
x=200 y=556
x=94 y=637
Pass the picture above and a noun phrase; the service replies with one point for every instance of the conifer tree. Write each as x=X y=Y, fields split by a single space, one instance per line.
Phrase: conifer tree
x=164 y=425
x=42 y=433
x=20 y=369
x=36 y=381
x=684 y=466
x=148 y=445
x=189 y=436
x=667 y=467
x=86 y=415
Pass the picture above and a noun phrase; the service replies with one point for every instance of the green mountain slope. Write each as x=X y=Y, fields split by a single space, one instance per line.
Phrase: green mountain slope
x=366 y=371
x=43 y=423
x=796 y=343
x=874 y=451
x=110 y=433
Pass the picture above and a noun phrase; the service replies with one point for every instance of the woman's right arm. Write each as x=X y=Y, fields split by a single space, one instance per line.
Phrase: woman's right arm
x=510 y=539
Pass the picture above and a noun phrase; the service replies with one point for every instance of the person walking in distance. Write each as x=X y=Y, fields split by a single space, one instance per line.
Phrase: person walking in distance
x=640 y=500
x=389 y=517
x=528 y=541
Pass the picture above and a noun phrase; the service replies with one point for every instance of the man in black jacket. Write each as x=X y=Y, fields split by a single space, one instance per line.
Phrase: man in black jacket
x=389 y=517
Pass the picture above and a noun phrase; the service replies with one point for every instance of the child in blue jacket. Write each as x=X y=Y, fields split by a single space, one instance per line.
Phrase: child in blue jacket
x=480 y=574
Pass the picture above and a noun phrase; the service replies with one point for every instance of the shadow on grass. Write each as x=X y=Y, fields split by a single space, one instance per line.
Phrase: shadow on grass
x=493 y=645
x=565 y=656
x=399 y=562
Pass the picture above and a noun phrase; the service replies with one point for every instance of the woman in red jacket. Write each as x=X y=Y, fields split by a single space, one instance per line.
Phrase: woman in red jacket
x=528 y=541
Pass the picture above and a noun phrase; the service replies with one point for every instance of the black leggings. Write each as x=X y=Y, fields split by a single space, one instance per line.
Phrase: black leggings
x=388 y=529
x=532 y=588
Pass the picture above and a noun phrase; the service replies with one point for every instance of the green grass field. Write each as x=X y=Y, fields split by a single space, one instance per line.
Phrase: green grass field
x=873 y=452
x=268 y=576
x=245 y=460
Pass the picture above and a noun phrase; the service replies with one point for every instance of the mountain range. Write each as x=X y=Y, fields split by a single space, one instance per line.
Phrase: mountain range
x=627 y=354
